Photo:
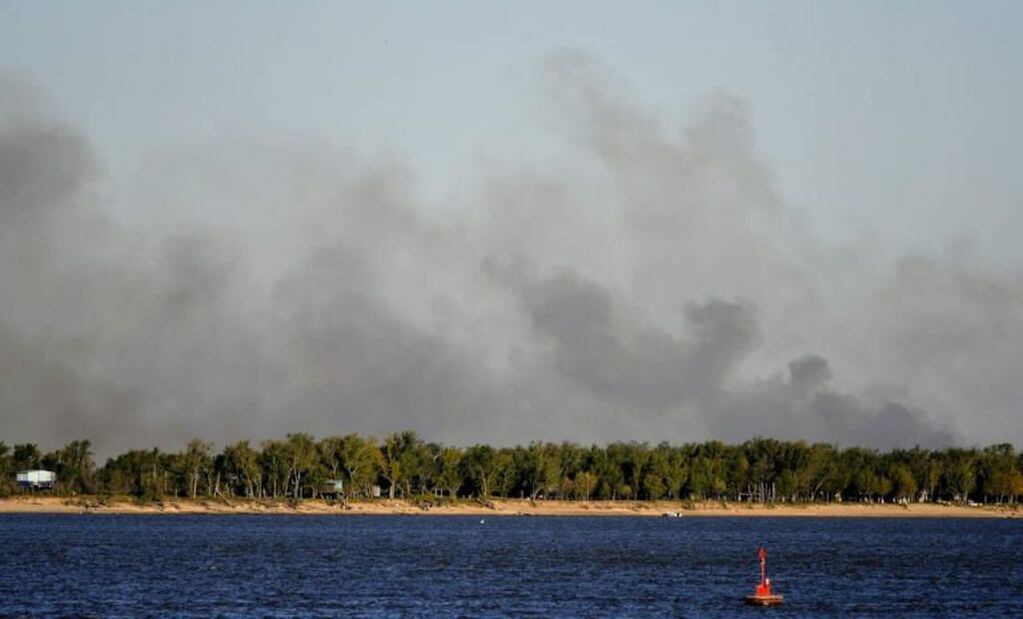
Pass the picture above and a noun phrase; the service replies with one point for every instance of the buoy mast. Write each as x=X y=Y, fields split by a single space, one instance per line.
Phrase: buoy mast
x=763 y=595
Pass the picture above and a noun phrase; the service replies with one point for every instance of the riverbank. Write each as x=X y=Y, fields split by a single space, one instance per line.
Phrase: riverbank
x=497 y=507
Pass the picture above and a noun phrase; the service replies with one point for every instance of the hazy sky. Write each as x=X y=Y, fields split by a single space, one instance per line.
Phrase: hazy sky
x=523 y=155
x=874 y=115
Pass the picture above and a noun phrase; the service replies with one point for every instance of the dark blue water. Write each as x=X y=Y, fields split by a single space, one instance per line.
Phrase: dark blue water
x=454 y=566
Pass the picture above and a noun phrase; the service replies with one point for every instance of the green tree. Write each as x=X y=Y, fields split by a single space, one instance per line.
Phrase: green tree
x=139 y=473
x=197 y=460
x=450 y=477
x=996 y=464
x=675 y=471
x=275 y=466
x=505 y=475
x=905 y=482
x=304 y=461
x=585 y=484
x=480 y=465
x=330 y=455
x=73 y=466
x=653 y=486
x=361 y=462
x=241 y=465
x=404 y=458
x=7 y=469
x=27 y=457
x=960 y=473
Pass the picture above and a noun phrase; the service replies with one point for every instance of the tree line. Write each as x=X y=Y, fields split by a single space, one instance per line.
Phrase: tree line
x=405 y=466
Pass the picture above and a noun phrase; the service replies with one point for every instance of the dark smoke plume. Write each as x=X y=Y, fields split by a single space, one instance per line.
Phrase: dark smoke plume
x=651 y=286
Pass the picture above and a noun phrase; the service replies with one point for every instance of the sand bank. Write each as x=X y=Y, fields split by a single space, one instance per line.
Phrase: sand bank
x=507 y=507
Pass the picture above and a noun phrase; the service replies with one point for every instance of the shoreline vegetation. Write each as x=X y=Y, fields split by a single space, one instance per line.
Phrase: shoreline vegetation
x=29 y=504
x=404 y=473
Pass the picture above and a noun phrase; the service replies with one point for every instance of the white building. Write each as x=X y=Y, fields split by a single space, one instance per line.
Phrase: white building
x=37 y=479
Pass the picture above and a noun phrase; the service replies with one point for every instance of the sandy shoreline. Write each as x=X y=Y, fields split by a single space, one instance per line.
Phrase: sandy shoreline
x=508 y=507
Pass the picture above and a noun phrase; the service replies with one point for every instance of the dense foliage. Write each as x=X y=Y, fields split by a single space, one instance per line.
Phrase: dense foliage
x=404 y=465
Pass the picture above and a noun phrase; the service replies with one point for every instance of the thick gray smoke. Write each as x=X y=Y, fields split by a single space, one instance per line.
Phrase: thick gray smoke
x=652 y=285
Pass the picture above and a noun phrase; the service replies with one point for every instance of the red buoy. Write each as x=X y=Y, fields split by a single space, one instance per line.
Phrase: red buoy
x=764 y=596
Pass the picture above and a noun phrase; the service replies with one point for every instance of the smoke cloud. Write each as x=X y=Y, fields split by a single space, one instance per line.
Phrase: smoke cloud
x=650 y=285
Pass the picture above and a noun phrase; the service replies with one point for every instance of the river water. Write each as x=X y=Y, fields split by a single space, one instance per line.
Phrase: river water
x=243 y=566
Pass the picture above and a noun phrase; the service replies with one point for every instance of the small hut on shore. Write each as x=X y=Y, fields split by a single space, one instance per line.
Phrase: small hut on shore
x=332 y=488
x=37 y=479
